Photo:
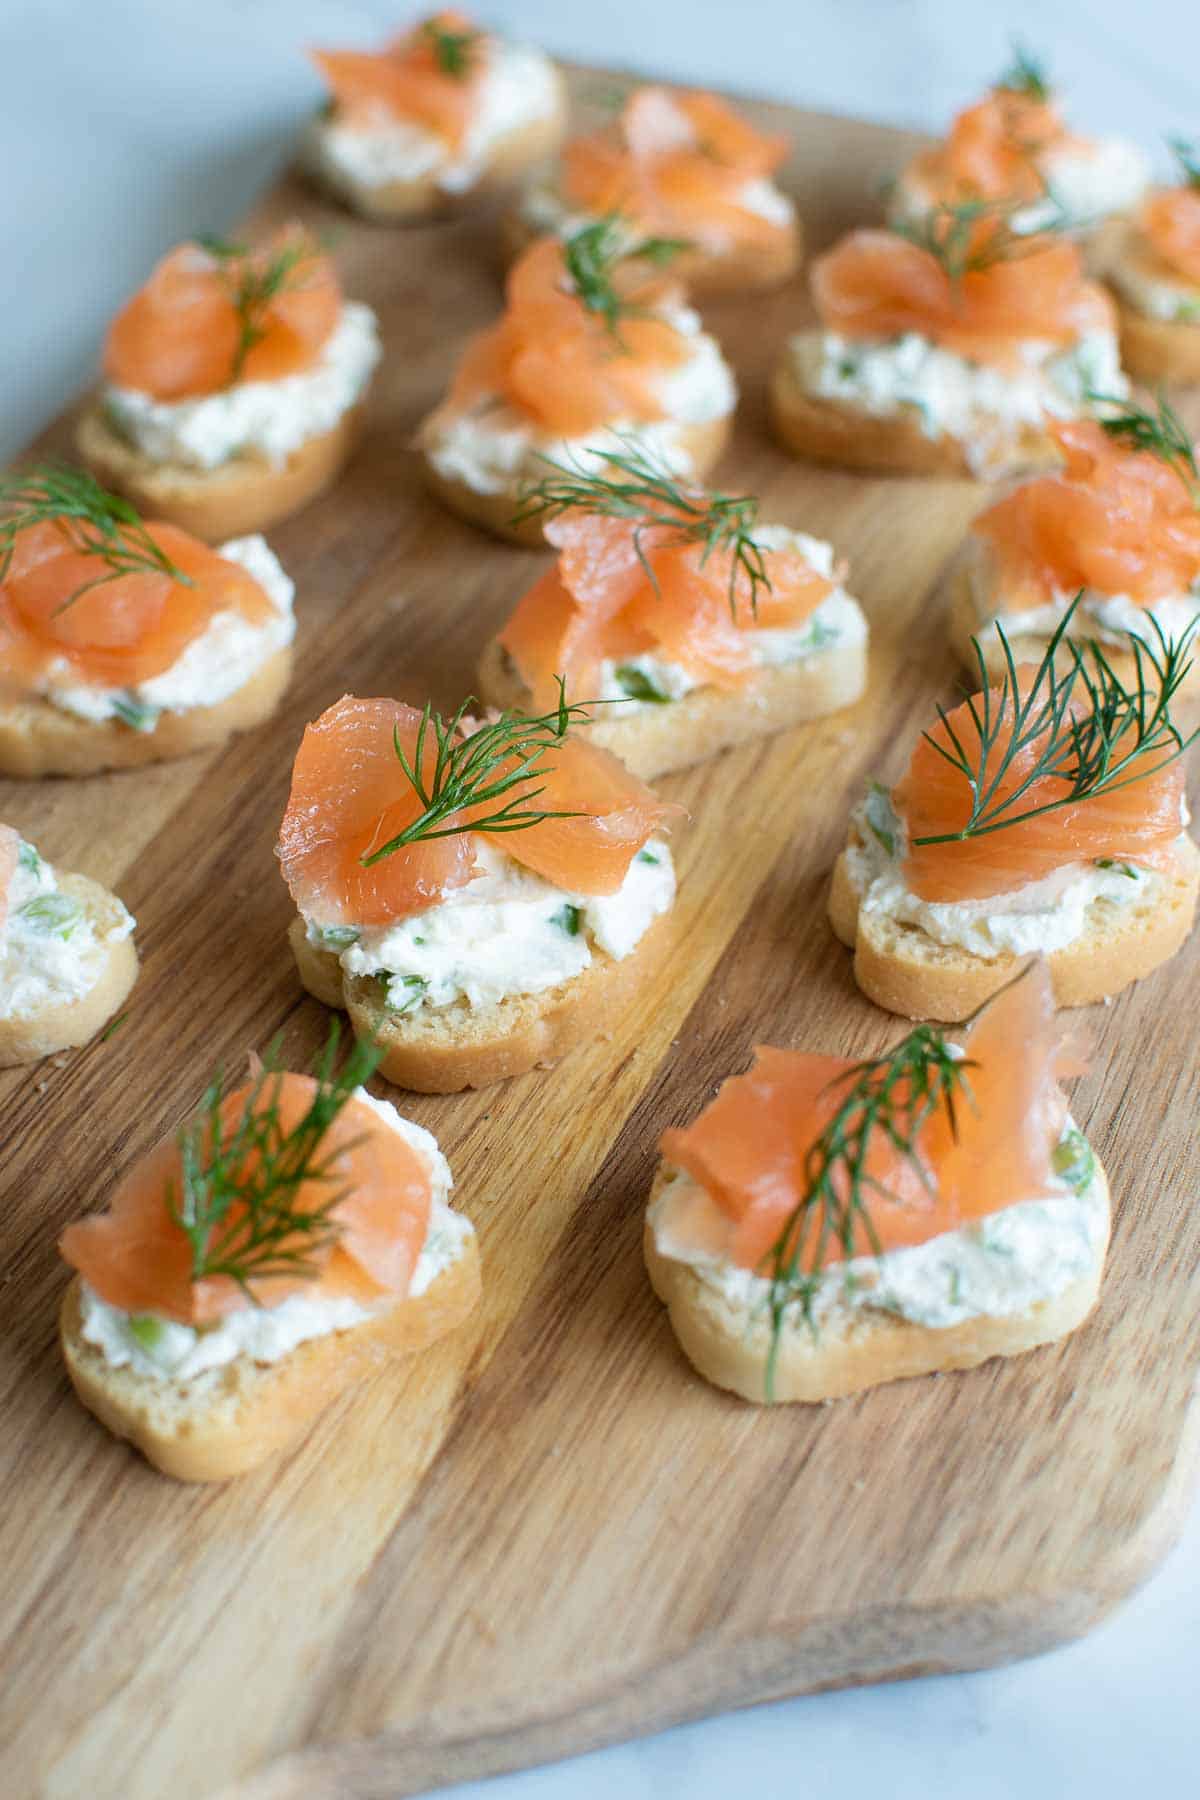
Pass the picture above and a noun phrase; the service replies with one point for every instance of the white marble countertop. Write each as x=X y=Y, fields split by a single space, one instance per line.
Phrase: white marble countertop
x=128 y=123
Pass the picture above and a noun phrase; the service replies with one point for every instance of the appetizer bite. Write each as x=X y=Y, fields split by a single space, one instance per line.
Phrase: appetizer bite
x=67 y=960
x=125 y=642
x=1112 y=540
x=1154 y=268
x=596 y=344
x=947 y=355
x=478 y=897
x=233 y=384
x=289 y=1240
x=695 y=625
x=679 y=165
x=1014 y=146
x=441 y=114
x=1044 y=815
x=825 y=1225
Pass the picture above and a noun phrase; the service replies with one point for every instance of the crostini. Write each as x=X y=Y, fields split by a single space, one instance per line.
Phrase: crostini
x=125 y=642
x=1153 y=266
x=478 y=897
x=1014 y=146
x=1113 y=539
x=233 y=385
x=444 y=113
x=696 y=626
x=67 y=960
x=825 y=1226
x=946 y=355
x=679 y=165
x=1045 y=815
x=596 y=343
x=292 y=1238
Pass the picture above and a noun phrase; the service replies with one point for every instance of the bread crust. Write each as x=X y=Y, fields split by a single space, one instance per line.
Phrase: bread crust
x=905 y=971
x=1158 y=350
x=707 y=274
x=409 y=202
x=231 y=1421
x=830 y=431
x=38 y=739
x=245 y=494
x=705 y=444
x=728 y=1344
x=655 y=740
x=73 y=1022
x=445 y=1050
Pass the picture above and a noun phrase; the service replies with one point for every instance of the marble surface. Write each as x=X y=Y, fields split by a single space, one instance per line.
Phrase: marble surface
x=127 y=124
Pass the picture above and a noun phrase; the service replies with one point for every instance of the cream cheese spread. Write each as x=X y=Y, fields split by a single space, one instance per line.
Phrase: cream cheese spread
x=163 y=1348
x=269 y=419
x=1043 y=915
x=51 y=952
x=950 y=395
x=506 y=932
x=519 y=88
x=222 y=659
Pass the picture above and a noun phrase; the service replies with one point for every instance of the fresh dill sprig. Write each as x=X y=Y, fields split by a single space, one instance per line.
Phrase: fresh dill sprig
x=96 y=523
x=1025 y=74
x=1161 y=433
x=237 y=1197
x=629 y=484
x=504 y=757
x=255 y=284
x=888 y=1099
x=1186 y=152
x=1109 y=742
x=592 y=255
x=965 y=237
x=453 y=51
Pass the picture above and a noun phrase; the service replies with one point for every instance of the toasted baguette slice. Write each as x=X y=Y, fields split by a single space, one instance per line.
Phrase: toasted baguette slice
x=729 y=1342
x=704 y=444
x=706 y=273
x=442 y=1050
x=901 y=968
x=831 y=431
x=970 y=617
x=233 y=1418
x=37 y=738
x=244 y=495
x=30 y=1036
x=654 y=740
x=1158 y=351
x=408 y=202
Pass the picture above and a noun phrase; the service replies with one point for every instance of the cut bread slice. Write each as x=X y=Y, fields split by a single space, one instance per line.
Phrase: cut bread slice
x=243 y=495
x=510 y=158
x=232 y=1418
x=728 y=1340
x=832 y=431
x=903 y=969
x=706 y=273
x=656 y=739
x=703 y=445
x=27 y=1037
x=1158 y=351
x=38 y=738
x=444 y=1049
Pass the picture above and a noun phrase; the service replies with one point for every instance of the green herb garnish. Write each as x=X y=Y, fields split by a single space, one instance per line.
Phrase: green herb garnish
x=338 y=937
x=648 y=856
x=255 y=284
x=1026 y=74
x=404 y=993
x=967 y=237
x=55 y=914
x=592 y=255
x=137 y=714
x=1186 y=152
x=453 y=51
x=569 y=917
x=95 y=522
x=146 y=1329
x=638 y=685
x=1161 y=433
x=28 y=858
x=1122 y=868
x=1073 y=1161
x=113 y=1026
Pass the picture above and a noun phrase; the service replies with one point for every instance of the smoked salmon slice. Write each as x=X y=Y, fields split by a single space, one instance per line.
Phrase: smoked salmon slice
x=565 y=366
x=879 y=284
x=1116 y=520
x=116 y=632
x=429 y=76
x=350 y=797
x=137 y=1256
x=209 y=316
x=624 y=587
x=991 y=151
x=751 y=1150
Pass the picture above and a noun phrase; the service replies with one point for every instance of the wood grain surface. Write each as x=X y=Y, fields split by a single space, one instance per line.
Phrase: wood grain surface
x=548 y=1533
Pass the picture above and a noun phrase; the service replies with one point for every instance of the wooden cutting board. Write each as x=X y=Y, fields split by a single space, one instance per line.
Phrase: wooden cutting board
x=548 y=1534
